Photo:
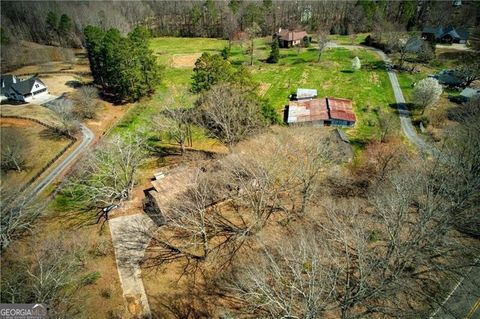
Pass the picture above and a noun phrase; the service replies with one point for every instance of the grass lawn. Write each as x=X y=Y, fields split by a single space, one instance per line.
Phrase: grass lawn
x=369 y=88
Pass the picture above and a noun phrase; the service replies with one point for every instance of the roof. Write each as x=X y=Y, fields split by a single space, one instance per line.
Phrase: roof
x=440 y=32
x=470 y=92
x=25 y=86
x=341 y=109
x=288 y=35
x=307 y=111
x=448 y=77
x=306 y=93
x=6 y=82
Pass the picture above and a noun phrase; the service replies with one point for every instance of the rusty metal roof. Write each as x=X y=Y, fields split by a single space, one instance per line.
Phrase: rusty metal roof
x=307 y=111
x=341 y=109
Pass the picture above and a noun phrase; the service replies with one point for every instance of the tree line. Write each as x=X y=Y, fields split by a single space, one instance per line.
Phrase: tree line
x=38 y=22
x=124 y=67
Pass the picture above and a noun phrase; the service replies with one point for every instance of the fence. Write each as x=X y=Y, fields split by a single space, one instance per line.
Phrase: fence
x=72 y=139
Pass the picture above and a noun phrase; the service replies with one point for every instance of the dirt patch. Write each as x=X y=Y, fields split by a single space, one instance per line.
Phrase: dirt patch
x=184 y=60
x=61 y=83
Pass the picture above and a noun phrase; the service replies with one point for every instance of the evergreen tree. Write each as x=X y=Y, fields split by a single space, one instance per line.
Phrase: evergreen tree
x=125 y=67
x=65 y=25
x=94 y=41
x=275 y=52
x=210 y=70
x=306 y=41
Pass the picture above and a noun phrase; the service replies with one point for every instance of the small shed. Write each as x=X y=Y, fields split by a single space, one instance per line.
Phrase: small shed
x=306 y=94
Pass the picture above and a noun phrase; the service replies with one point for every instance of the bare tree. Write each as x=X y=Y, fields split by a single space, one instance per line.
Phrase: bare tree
x=175 y=123
x=322 y=41
x=18 y=215
x=230 y=114
x=289 y=280
x=86 y=101
x=253 y=32
x=388 y=124
x=108 y=174
x=50 y=276
x=468 y=72
x=14 y=149
x=64 y=110
x=426 y=92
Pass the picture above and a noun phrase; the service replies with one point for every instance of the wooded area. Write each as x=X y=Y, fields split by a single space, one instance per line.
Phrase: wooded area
x=59 y=22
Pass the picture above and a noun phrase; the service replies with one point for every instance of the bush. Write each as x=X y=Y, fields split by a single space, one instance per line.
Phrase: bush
x=106 y=293
x=90 y=278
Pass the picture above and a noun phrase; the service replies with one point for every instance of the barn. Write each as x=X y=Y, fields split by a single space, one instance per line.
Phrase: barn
x=320 y=111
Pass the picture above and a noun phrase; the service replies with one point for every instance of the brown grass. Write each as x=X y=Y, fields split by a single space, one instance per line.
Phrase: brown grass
x=33 y=111
x=42 y=148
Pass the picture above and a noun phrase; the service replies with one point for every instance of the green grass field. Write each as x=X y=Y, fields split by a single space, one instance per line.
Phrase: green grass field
x=368 y=88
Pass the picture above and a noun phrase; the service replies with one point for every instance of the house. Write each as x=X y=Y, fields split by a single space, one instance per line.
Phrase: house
x=320 y=111
x=469 y=93
x=447 y=77
x=287 y=38
x=448 y=34
x=26 y=90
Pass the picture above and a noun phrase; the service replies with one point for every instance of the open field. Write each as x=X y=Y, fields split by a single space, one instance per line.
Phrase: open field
x=42 y=147
x=332 y=76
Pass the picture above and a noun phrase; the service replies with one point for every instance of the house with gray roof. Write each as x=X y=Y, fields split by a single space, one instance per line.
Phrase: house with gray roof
x=448 y=34
x=470 y=93
x=26 y=90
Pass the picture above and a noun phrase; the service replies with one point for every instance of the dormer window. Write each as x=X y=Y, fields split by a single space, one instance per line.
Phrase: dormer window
x=37 y=86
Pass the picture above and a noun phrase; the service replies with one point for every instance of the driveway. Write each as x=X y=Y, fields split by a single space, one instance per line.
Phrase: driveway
x=88 y=137
x=404 y=114
x=131 y=236
x=44 y=98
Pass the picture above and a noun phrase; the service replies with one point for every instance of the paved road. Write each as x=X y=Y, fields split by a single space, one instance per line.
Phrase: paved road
x=131 y=236
x=403 y=112
x=88 y=137
x=463 y=302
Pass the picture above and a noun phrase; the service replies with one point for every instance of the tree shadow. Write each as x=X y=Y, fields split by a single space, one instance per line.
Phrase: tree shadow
x=74 y=84
x=375 y=65
x=51 y=134
x=346 y=71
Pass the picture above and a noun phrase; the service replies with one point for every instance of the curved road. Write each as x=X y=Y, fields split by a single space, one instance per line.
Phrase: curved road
x=88 y=137
x=403 y=112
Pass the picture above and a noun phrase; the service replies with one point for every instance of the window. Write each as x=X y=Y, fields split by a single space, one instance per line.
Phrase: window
x=37 y=86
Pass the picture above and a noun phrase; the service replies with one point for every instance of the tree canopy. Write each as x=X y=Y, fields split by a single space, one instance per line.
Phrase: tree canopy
x=124 y=67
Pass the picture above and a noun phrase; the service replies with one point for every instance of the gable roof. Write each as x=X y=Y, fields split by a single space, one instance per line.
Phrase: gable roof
x=307 y=111
x=288 y=35
x=440 y=32
x=24 y=87
x=470 y=92
x=341 y=109
x=6 y=82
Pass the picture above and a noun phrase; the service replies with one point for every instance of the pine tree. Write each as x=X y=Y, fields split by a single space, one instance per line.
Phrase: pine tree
x=275 y=52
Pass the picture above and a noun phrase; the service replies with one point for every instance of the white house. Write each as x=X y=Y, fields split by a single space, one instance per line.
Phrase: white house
x=26 y=90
